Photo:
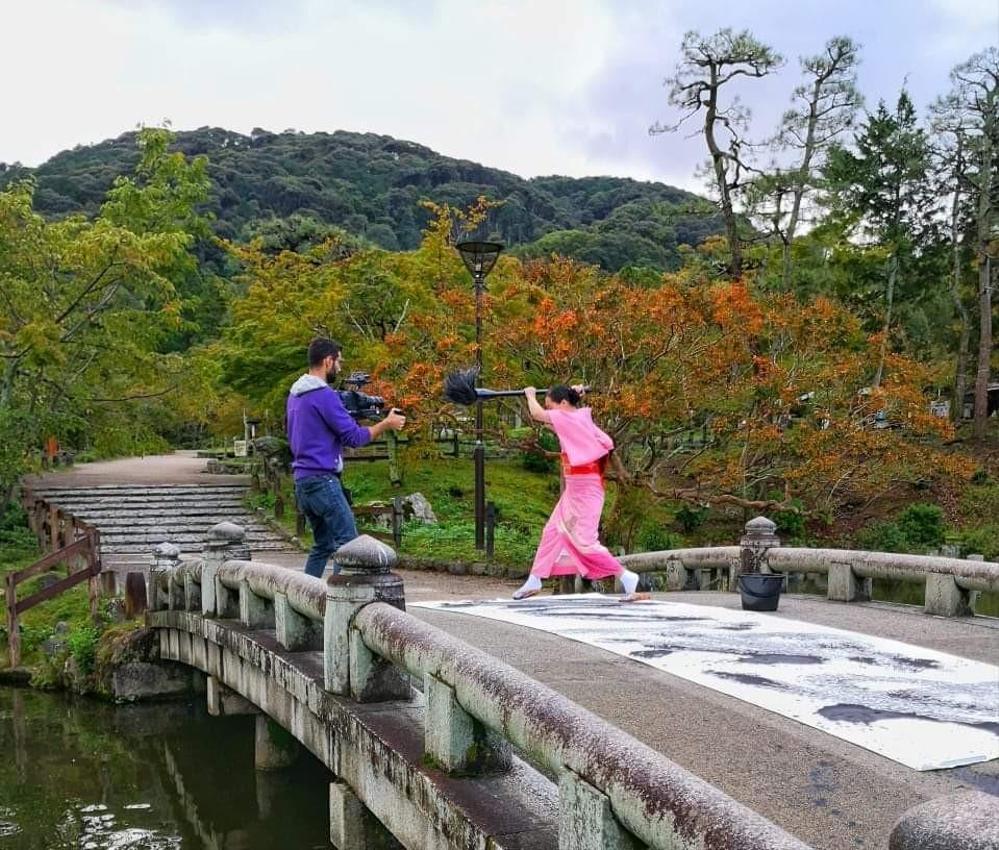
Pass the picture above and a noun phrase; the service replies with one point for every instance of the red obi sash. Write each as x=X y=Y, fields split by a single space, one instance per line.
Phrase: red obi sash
x=597 y=467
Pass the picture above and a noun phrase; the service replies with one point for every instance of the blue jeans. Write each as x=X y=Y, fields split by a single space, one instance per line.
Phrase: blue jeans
x=325 y=506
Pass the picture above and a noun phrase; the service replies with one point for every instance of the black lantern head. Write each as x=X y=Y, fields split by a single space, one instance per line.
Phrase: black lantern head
x=479 y=257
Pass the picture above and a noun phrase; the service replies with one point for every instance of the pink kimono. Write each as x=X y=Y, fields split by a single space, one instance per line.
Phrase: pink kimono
x=569 y=543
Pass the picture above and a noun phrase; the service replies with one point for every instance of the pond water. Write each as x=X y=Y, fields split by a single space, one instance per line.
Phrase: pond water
x=78 y=773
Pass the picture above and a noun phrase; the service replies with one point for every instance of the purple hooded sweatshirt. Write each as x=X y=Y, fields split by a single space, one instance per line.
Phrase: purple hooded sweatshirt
x=318 y=428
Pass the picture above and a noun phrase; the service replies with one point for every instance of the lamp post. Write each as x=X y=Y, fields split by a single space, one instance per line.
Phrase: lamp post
x=479 y=258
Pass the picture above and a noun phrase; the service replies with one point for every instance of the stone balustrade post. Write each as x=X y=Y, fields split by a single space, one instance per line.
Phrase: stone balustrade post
x=224 y=542
x=945 y=598
x=585 y=819
x=255 y=611
x=962 y=821
x=456 y=741
x=166 y=559
x=365 y=577
x=294 y=631
x=844 y=585
x=759 y=538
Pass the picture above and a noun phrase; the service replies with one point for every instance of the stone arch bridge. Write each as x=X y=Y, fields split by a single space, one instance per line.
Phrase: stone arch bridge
x=435 y=744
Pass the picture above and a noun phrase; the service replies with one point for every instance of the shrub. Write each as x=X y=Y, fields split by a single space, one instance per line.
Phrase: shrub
x=535 y=462
x=82 y=643
x=790 y=524
x=983 y=540
x=652 y=537
x=883 y=537
x=922 y=525
x=691 y=519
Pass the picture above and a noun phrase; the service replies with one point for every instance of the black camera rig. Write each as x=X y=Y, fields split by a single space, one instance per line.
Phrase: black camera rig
x=360 y=405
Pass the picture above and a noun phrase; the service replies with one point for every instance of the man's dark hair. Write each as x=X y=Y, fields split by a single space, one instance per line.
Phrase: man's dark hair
x=320 y=349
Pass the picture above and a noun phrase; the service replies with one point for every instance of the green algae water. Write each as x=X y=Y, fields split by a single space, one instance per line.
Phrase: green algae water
x=82 y=775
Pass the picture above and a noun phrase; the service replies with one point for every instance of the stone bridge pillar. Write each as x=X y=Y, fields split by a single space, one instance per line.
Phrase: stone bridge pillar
x=759 y=538
x=166 y=559
x=224 y=542
x=365 y=577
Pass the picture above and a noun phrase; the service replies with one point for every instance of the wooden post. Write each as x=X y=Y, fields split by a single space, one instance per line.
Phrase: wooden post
x=53 y=528
x=94 y=568
x=392 y=450
x=13 y=630
x=490 y=528
x=397 y=518
x=135 y=595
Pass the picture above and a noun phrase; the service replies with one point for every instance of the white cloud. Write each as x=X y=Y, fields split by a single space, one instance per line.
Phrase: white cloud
x=532 y=86
x=489 y=83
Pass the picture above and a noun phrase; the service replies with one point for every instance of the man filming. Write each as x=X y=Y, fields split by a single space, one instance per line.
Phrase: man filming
x=319 y=426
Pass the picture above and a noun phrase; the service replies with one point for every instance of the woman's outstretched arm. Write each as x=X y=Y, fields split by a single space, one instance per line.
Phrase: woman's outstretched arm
x=538 y=413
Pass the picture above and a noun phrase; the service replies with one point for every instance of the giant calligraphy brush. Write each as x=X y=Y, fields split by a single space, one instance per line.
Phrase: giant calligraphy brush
x=459 y=388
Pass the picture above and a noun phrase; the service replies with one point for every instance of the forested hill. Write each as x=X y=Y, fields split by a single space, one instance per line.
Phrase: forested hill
x=371 y=186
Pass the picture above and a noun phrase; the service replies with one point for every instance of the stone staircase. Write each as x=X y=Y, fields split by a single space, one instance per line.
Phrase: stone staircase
x=134 y=518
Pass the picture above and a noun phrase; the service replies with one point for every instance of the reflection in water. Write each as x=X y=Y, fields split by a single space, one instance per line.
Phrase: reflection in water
x=82 y=775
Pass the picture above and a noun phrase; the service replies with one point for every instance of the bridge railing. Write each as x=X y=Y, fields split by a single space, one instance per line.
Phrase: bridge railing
x=611 y=786
x=952 y=584
x=69 y=542
x=596 y=764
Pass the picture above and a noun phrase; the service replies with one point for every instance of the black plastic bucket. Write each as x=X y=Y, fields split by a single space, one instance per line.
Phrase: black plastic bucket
x=760 y=591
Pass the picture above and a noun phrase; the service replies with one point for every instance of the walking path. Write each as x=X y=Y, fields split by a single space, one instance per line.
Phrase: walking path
x=830 y=793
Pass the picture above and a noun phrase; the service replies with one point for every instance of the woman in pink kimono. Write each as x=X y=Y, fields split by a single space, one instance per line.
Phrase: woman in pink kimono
x=569 y=543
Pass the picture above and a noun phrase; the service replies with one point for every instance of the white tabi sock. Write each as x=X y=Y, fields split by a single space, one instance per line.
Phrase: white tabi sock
x=629 y=581
x=532 y=583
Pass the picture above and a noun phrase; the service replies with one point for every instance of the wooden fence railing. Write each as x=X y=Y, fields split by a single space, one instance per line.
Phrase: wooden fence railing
x=73 y=543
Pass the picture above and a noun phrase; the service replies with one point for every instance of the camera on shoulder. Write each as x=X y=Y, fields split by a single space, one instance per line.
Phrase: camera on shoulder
x=359 y=404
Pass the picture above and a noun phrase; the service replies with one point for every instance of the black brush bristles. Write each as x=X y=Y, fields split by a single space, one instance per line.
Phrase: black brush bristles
x=459 y=387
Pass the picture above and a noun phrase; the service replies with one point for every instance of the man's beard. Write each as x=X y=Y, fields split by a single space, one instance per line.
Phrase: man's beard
x=331 y=376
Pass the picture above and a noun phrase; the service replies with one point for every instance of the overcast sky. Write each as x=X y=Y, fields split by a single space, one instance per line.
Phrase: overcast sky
x=532 y=86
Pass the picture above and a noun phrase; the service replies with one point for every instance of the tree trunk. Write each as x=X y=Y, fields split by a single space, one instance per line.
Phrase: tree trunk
x=886 y=329
x=721 y=177
x=961 y=367
x=984 y=348
x=964 y=339
x=985 y=215
x=786 y=265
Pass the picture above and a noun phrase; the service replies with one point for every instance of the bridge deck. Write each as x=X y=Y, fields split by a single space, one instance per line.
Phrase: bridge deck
x=829 y=793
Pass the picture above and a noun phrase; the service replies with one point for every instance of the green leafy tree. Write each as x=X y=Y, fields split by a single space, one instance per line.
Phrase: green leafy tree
x=883 y=192
x=707 y=66
x=975 y=101
x=87 y=306
x=825 y=105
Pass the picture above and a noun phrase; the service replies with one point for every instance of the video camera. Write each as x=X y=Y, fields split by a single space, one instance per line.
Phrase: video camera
x=361 y=405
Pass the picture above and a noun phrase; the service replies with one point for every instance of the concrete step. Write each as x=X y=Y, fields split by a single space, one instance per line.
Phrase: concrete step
x=179 y=525
x=228 y=494
x=108 y=488
x=186 y=500
x=144 y=550
x=133 y=519
x=153 y=538
x=207 y=515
